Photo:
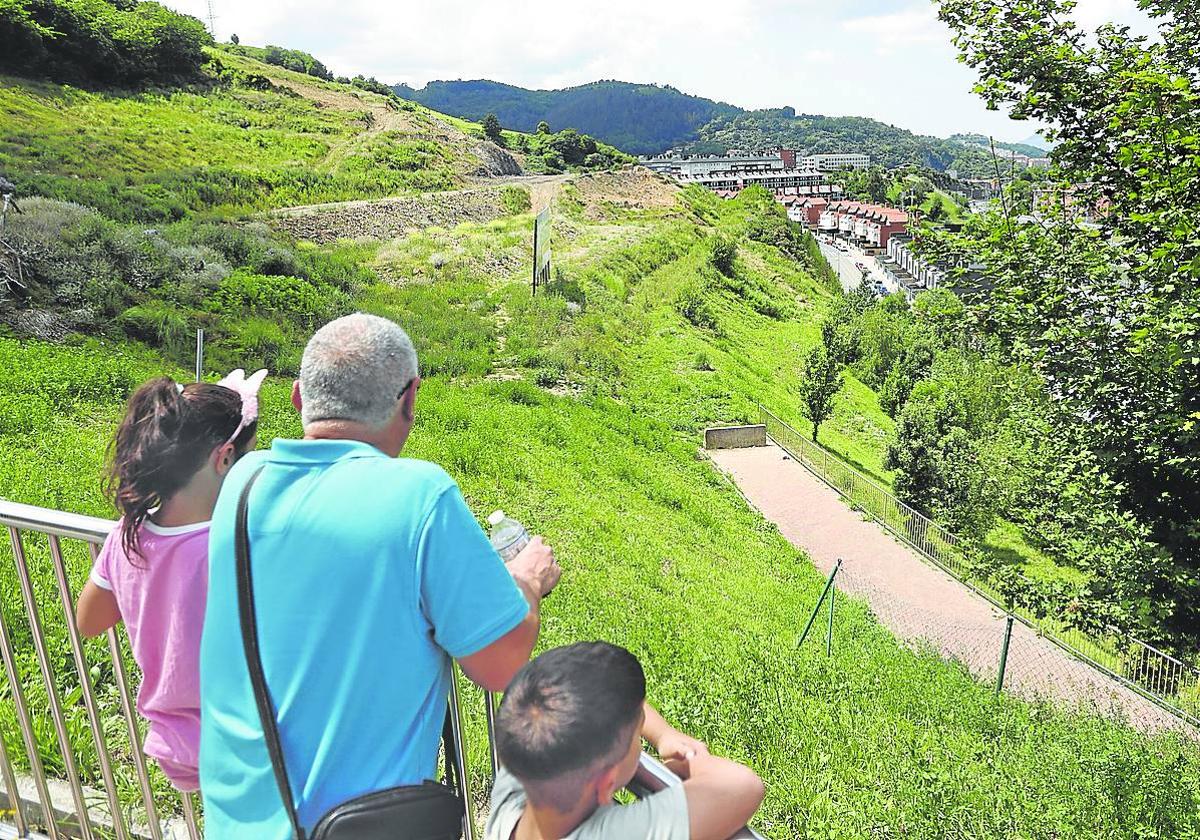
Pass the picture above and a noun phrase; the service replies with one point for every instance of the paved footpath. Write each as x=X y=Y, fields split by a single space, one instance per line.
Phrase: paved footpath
x=918 y=602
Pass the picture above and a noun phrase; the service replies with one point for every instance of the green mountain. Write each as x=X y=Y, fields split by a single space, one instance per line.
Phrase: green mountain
x=642 y=119
x=647 y=119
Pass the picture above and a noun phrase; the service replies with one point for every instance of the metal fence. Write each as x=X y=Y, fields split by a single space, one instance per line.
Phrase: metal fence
x=78 y=769
x=1157 y=675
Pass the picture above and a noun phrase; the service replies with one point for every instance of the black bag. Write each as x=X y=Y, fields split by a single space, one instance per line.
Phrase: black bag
x=429 y=811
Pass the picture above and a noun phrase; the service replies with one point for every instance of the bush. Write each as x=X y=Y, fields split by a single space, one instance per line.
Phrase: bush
x=278 y=295
x=159 y=324
x=99 y=42
x=515 y=200
x=722 y=254
x=691 y=304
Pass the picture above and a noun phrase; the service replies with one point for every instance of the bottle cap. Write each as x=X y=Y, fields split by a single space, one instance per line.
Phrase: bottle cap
x=496 y=518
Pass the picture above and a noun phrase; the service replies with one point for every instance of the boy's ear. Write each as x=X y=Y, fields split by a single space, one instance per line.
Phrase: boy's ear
x=608 y=782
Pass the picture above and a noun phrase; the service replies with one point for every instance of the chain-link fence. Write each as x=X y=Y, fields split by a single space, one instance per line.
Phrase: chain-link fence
x=996 y=647
x=1140 y=668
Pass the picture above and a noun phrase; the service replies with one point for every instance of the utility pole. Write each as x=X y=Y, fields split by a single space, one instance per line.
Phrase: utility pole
x=212 y=21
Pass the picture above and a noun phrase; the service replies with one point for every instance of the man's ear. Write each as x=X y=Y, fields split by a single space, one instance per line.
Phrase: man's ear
x=408 y=405
x=297 y=403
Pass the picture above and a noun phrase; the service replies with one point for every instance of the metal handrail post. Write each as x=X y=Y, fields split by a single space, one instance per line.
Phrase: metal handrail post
x=489 y=705
x=56 y=710
x=1008 y=624
x=127 y=709
x=25 y=722
x=85 y=685
x=829 y=635
x=10 y=784
x=817 y=609
x=456 y=732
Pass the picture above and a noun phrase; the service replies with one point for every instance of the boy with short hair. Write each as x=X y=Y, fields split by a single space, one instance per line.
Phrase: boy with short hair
x=569 y=734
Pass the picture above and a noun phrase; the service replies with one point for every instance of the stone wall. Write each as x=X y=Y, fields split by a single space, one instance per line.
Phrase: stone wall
x=735 y=437
x=388 y=218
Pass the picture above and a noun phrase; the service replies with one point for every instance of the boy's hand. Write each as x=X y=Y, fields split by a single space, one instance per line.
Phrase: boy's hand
x=674 y=745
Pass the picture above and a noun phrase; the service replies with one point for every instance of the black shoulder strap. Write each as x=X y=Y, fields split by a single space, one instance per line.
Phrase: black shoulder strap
x=249 y=622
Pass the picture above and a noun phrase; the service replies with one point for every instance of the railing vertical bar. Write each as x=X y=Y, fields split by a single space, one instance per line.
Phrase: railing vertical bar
x=456 y=732
x=26 y=724
x=56 y=709
x=189 y=816
x=135 y=739
x=490 y=708
x=85 y=684
x=10 y=785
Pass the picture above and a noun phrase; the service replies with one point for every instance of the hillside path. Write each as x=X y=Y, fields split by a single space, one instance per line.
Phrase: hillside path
x=918 y=602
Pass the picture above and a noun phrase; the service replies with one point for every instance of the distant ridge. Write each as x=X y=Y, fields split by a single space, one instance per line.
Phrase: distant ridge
x=650 y=118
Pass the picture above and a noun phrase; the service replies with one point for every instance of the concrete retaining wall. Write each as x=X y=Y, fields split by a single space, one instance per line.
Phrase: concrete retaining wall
x=735 y=437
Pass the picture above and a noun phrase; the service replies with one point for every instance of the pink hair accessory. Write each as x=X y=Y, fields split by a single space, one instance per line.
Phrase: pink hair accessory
x=247 y=388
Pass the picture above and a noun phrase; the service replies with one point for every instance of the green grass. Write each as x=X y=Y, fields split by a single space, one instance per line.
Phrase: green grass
x=594 y=444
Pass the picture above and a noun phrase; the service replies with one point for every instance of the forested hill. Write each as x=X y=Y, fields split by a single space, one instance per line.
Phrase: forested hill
x=645 y=119
x=642 y=119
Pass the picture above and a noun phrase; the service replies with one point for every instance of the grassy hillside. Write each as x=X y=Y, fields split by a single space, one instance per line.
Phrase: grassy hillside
x=257 y=137
x=582 y=421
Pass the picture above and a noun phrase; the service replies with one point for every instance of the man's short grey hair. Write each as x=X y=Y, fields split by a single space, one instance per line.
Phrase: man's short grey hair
x=354 y=368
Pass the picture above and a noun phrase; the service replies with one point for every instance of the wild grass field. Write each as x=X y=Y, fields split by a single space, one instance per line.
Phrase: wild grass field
x=578 y=411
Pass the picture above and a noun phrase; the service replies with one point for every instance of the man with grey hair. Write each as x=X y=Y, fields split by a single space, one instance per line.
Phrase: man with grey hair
x=369 y=575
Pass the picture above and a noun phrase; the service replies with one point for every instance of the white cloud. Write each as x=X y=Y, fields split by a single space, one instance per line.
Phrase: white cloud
x=889 y=59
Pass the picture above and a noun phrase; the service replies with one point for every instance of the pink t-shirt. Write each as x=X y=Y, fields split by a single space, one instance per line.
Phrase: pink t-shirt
x=161 y=595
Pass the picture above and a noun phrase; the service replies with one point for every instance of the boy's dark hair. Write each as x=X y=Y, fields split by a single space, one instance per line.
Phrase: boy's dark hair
x=164 y=439
x=567 y=713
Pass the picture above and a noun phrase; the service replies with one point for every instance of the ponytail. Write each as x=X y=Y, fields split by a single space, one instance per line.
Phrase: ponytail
x=165 y=438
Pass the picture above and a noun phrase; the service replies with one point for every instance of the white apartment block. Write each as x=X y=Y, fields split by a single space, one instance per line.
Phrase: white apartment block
x=846 y=160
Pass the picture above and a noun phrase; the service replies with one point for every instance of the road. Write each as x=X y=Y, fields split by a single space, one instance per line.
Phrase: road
x=844 y=264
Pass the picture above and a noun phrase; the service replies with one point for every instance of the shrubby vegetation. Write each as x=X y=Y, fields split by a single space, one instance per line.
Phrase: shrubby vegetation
x=1106 y=315
x=551 y=152
x=252 y=291
x=100 y=42
x=296 y=60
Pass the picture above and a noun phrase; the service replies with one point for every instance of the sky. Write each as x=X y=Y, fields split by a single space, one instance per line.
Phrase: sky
x=887 y=59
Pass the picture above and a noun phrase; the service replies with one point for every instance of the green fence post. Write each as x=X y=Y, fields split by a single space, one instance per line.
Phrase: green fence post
x=1004 y=653
x=829 y=634
x=817 y=609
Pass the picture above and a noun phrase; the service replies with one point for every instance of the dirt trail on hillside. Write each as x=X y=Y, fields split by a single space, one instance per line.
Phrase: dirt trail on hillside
x=919 y=603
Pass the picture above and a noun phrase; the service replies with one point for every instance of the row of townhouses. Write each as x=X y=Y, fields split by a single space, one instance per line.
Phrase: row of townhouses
x=871 y=225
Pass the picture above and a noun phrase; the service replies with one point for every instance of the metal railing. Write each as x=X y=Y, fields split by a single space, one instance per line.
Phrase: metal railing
x=95 y=803
x=1163 y=678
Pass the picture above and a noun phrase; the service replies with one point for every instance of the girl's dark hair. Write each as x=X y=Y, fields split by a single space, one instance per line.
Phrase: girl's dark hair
x=165 y=438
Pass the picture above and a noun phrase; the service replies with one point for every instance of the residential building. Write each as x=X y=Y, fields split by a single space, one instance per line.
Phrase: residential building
x=839 y=160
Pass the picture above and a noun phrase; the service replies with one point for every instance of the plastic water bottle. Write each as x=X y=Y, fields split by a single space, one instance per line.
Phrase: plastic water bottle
x=508 y=535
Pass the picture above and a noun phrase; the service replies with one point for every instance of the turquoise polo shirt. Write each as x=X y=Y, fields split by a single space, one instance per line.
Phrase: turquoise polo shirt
x=370 y=573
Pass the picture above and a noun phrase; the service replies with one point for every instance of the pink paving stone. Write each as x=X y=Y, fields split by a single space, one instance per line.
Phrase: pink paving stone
x=918 y=602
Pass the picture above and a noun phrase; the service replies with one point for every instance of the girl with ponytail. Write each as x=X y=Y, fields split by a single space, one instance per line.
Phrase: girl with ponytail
x=170 y=455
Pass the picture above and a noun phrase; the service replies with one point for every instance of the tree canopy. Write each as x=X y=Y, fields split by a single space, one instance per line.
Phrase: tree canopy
x=1108 y=314
x=100 y=42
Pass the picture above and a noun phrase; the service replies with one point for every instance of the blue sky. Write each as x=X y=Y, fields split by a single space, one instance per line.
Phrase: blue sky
x=887 y=59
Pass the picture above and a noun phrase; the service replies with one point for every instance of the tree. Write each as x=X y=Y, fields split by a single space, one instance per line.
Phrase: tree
x=233 y=39
x=820 y=381
x=1110 y=317
x=491 y=129
x=543 y=127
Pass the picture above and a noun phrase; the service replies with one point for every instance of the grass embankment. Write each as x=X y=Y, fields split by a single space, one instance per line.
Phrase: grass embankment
x=581 y=421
